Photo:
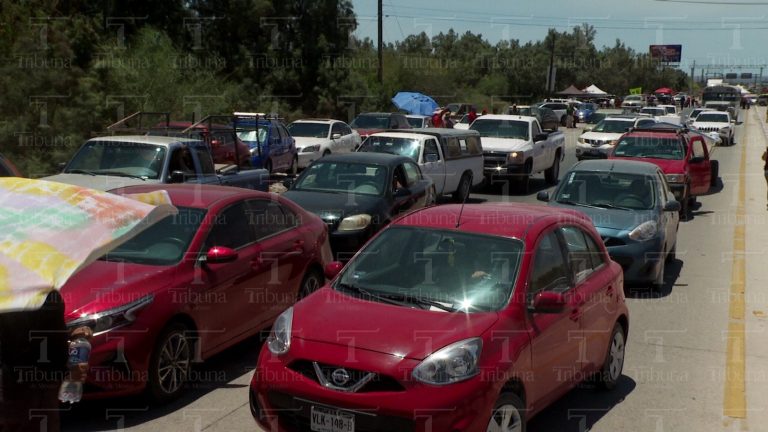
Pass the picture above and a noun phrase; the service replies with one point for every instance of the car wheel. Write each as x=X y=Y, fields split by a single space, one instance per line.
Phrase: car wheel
x=614 y=359
x=672 y=253
x=170 y=363
x=326 y=153
x=715 y=166
x=508 y=415
x=294 y=168
x=562 y=121
x=312 y=282
x=685 y=208
x=462 y=190
x=658 y=284
x=553 y=172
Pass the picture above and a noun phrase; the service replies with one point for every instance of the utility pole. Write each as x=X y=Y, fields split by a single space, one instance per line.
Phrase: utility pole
x=551 y=71
x=693 y=78
x=381 y=49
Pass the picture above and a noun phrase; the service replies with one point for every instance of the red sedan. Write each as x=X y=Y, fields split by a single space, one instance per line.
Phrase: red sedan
x=448 y=321
x=192 y=285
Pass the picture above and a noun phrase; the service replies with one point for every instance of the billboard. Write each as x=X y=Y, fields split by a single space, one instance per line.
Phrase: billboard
x=731 y=76
x=667 y=53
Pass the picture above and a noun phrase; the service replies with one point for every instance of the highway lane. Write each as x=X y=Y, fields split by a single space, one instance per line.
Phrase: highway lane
x=678 y=350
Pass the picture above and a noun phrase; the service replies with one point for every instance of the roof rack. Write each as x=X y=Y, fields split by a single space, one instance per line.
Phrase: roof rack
x=124 y=125
x=678 y=130
x=257 y=115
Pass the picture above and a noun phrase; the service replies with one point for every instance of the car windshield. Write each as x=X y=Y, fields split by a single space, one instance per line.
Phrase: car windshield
x=650 y=147
x=130 y=159
x=712 y=118
x=607 y=190
x=163 y=243
x=251 y=136
x=393 y=145
x=670 y=110
x=613 y=126
x=309 y=130
x=370 y=122
x=653 y=111
x=526 y=111
x=415 y=122
x=343 y=177
x=454 y=270
x=501 y=128
x=633 y=98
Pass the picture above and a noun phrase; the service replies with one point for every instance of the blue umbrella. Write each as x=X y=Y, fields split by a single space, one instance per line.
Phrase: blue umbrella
x=415 y=103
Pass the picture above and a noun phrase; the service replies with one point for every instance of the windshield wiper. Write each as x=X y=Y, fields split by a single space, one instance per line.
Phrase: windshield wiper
x=365 y=292
x=611 y=206
x=419 y=301
x=569 y=202
x=122 y=174
x=80 y=171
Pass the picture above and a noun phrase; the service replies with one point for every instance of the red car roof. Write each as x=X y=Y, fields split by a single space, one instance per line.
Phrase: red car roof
x=195 y=195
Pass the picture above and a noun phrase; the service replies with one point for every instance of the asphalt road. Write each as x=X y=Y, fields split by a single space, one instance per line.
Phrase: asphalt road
x=697 y=354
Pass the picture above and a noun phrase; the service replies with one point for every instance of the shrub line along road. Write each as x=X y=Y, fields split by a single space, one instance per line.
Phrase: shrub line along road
x=697 y=354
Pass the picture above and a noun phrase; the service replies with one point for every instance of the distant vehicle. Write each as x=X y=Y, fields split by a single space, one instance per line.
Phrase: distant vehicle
x=516 y=147
x=370 y=123
x=159 y=303
x=633 y=101
x=459 y=109
x=584 y=110
x=679 y=97
x=598 y=141
x=316 y=138
x=452 y=158
x=419 y=121
x=357 y=194
x=632 y=208
x=653 y=111
x=7 y=168
x=463 y=123
x=271 y=145
x=717 y=122
x=220 y=138
x=694 y=113
x=559 y=108
x=546 y=117
x=762 y=100
x=727 y=94
x=669 y=109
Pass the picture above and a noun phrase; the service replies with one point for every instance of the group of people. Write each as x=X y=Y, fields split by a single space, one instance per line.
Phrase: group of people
x=746 y=103
x=443 y=117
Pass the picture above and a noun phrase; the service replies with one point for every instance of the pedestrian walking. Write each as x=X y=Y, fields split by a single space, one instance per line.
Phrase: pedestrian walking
x=472 y=116
x=569 y=117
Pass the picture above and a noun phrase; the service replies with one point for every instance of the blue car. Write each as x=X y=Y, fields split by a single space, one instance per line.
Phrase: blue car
x=633 y=209
x=272 y=146
x=585 y=110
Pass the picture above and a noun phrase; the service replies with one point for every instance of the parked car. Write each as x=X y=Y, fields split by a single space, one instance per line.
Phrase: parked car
x=682 y=156
x=7 y=168
x=694 y=113
x=633 y=209
x=451 y=158
x=271 y=145
x=111 y=162
x=584 y=110
x=369 y=123
x=718 y=122
x=679 y=97
x=471 y=318
x=598 y=141
x=653 y=111
x=419 y=121
x=192 y=285
x=559 y=108
x=221 y=138
x=634 y=101
x=515 y=146
x=669 y=109
x=357 y=194
x=762 y=99
x=546 y=117
x=316 y=138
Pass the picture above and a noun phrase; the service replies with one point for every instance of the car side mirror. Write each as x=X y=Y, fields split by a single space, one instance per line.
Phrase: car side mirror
x=548 y=302
x=336 y=136
x=540 y=137
x=288 y=183
x=431 y=157
x=332 y=269
x=220 y=254
x=672 y=206
x=177 y=176
x=542 y=196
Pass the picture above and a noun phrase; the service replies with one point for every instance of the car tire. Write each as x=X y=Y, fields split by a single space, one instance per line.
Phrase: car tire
x=553 y=172
x=463 y=189
x=294 y=168
x=170 y=363
x=326 y=153
x=715 y=166
x=563 y=120
x=312 y=282
x=614 y=359
x=508 y=414
x=672 y=254
x=685 y=208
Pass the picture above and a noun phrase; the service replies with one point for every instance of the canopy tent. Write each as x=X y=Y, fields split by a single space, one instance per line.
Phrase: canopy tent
x=571 y=91
x=415 y=103
x=595 y=91
x=664 y=90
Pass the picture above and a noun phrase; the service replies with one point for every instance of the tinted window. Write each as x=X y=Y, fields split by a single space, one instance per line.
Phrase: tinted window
x=606 y=189
x=613 y=126
x=452 y=147
x=474 y=145
x=371 y=122
x=307 y=129
x=598 y=259
x=130 y=158
x=231 y=229
x=501 y=128
x=267 y=218
x=394 y=145
x=579 y=255
x=430 y=148
x=535 y=130
x=550 y=272
x=206 y=163
x=412 y=173
x=650 y=147
x=337 y=129
x=344 y=177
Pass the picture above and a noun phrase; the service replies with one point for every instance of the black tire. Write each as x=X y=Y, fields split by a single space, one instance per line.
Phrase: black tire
x=294 y=168
x=672 y=254
x=612 y=368
x=563 y=120
x=685 y=208
x=463 y=189
x=312 y=281
x=326 y=153
x=514 y=405
x=166 y=382
x=552 y=173
x=715 y=166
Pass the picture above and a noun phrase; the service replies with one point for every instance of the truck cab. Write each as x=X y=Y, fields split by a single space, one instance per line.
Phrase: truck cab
x=271 y=145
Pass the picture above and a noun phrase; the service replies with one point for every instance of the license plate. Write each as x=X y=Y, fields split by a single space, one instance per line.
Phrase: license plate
x=594 y=152
x=329 y=420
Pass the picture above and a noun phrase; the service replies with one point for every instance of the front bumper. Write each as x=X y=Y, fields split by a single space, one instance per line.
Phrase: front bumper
x=345 y=244
x=118 y=364
x=679 y=190
x=282 y=397
x=588 y=150
x=641 y=261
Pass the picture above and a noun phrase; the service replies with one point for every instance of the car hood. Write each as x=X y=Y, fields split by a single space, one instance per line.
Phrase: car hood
x=336 y=205
x=504 y=144
x=105 y=285
x=667 y=166
x=302 y=142
x=602 y=136
x=415 y=334
x=100 y=182
x=614 y=219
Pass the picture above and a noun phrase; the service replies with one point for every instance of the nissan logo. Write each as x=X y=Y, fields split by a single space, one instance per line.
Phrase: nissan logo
x=340 y=377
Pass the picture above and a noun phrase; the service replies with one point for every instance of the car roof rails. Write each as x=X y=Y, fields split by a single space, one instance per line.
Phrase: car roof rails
x=678 y=130
x=257 y=115
x=142 y=125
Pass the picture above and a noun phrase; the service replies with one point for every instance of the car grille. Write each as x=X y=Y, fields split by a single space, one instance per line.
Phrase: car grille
x=710 y=129
x=378 y=383
x=331 y=218
x=494 y=159
x=596 y=143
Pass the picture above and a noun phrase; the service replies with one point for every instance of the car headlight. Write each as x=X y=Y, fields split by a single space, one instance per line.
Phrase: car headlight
x=453 y=363
x=675 y=178
x=356 y=222
x=644 y=231
x=725 y=129
x=516 y=157
x=311 y=149
x=581 y=140
x=279 y=340
x=111 y=319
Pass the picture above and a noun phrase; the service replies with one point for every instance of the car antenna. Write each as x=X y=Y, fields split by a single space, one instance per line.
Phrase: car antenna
x=463 y=202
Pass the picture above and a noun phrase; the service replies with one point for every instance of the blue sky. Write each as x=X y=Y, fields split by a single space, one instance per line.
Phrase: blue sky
x=711 y=31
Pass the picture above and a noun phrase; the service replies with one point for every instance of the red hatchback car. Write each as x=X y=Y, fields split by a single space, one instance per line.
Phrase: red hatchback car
x=192 y=285
x=448 y=320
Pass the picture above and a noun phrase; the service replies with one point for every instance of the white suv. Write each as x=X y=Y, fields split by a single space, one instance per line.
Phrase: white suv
x=715 y=122
x=316 y=138
x=599 y=141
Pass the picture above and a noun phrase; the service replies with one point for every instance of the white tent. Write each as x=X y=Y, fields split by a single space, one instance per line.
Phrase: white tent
x=594 y=90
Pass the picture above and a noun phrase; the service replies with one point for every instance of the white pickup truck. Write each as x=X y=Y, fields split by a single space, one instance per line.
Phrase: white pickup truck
x=515 y=146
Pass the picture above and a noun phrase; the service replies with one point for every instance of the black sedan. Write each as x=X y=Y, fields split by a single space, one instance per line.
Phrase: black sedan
x=357 y=194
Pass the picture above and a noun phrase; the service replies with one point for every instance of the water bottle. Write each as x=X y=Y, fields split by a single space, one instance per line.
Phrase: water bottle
x=79 y=352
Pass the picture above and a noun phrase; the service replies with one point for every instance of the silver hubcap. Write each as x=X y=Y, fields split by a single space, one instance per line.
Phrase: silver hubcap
x=505 y=418
x=173 y=366
x=617 y=356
